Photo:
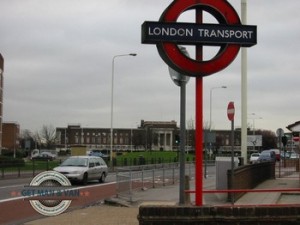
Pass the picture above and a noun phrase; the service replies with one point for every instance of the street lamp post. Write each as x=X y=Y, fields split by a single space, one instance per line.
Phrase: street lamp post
x=253 y=122
x=112 y=102
x=15 y=140
x=210 y=104
x=210 y=123
x=181 y=81
x=65 y=139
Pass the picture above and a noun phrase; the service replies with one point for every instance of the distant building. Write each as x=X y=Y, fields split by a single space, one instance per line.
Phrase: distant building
x=159 y=134
x=293 y=142
x=149 y=135
x=10 y=136
x=295 y=128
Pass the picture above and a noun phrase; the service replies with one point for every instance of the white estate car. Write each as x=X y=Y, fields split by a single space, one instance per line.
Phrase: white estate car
x=83 y=168
x=254 y=157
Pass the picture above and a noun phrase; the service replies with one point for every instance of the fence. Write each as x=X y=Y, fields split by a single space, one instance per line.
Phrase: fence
x=29 y=169
x=288 y=168
x=135 y=178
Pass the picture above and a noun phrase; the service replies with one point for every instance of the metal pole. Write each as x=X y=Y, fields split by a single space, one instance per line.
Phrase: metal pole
x=232 y=160
x=15 y=130
x=65 y=139
x=280 y=147
x=244 y=86
x=112 y=102
x=153 y=180
x=112 y=109
x=254 y=134
x=210 y=124
x=210 y=105
x=130 y=186
x=205 y=152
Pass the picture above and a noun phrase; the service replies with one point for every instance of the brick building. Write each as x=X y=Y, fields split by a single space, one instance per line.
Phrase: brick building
x=10 y=136
x=149 y=135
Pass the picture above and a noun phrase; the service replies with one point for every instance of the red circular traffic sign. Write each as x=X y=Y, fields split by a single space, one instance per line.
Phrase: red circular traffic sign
x=171 y=54
x=230 y=111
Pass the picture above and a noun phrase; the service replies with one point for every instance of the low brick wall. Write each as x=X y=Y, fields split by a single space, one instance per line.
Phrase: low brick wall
x=249 y=176
x=212 y=215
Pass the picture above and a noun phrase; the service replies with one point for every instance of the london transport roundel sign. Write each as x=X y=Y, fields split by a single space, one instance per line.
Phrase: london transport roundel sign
x=229 y=34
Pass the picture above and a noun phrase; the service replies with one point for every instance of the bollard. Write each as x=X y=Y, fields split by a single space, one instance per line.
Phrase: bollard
x=187 y=197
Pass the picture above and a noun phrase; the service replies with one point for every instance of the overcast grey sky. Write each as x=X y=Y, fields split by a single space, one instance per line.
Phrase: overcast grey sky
x=58 y=65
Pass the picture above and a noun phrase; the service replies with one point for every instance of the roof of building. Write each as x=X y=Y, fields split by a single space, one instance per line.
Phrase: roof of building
x=295 y=127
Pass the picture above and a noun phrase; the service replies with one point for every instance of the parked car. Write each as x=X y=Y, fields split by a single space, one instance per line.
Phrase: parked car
x=43 y=156
x=83 y=168
x=267 y=155
x=294 y=155
x=277 y=153
x=285 y=155
x=254 y=157
x=98 y=153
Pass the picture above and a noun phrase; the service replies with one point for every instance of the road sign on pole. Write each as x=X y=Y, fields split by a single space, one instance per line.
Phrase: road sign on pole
x=230 y=111
x=230 y=115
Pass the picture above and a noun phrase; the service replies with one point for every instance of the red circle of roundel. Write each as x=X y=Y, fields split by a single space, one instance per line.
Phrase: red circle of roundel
x=172 y=55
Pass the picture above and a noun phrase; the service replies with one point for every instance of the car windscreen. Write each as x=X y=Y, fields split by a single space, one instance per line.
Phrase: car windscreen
x=265 y=153
x=75 y=162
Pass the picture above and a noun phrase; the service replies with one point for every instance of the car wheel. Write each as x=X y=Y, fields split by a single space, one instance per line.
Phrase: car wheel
x=85 y=179
x=102 y=178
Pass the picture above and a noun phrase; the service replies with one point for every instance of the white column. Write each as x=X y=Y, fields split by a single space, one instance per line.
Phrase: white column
x=244 y=87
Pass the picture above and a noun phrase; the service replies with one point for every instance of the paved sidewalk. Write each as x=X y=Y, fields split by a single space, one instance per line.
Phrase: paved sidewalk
x=168 y=195
x=269 y=198
x=97 y=215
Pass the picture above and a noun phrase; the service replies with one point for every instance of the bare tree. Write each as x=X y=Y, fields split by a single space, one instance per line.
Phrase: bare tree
x=27 y=139
x=47 y=136
x=269 y=139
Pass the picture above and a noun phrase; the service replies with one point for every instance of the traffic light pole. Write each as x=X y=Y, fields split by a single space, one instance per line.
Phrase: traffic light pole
x=284 y=143
x=280 y=148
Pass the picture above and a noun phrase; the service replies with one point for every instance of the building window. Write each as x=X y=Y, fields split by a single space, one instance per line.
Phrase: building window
x=162 y=139
x=98 y=140
x=168 y=141
x=76 y=140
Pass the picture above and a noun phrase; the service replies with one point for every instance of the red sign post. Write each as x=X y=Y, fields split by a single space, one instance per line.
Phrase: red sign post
x=229 y=35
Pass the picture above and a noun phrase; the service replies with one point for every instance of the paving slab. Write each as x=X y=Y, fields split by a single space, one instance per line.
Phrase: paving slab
x=167 y=195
